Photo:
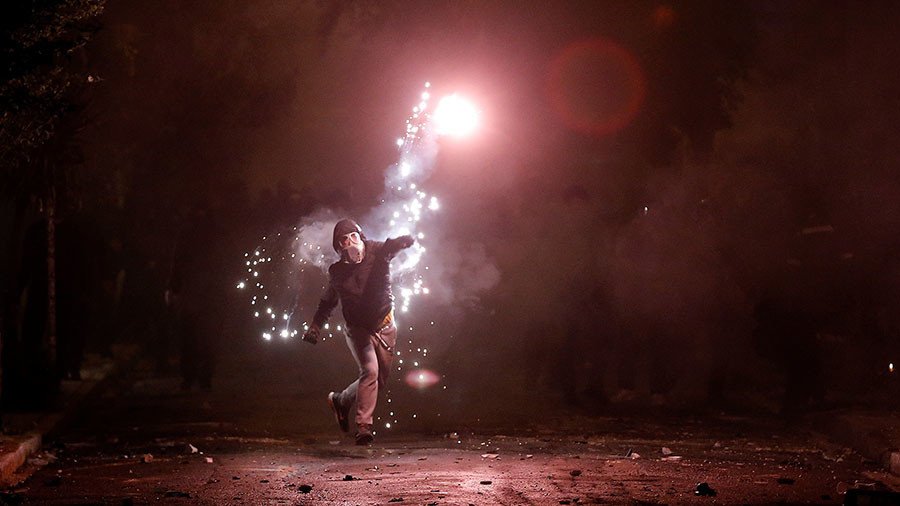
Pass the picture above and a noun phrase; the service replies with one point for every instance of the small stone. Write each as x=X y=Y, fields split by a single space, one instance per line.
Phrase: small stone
x=147 y=458
x=575 y=472
x=396 y=499
x=666 y=451
x=703 y=489
x=304 y=489
x=348 y=477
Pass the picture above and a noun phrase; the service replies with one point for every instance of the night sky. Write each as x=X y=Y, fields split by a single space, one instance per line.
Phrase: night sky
x=635 y=195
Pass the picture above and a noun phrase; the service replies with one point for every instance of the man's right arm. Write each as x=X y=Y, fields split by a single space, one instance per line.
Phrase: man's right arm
x=326 y=306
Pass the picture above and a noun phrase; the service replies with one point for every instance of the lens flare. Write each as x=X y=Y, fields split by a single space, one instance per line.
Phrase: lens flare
x=422 y=378
x=455 y=116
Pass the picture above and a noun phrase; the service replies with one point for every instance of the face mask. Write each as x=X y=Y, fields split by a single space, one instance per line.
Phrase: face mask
x=355 y=249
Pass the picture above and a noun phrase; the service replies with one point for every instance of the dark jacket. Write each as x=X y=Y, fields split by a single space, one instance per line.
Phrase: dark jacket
x=363 y=289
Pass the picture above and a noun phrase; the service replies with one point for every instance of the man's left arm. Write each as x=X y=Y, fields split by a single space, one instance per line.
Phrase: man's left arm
x=394 y=246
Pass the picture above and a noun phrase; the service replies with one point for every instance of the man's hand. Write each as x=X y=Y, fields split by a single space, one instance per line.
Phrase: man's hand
x=405 y=241
x=312 y=335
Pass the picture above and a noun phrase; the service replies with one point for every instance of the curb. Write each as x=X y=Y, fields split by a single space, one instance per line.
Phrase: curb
x=51 y=422
x=868 y=437
x=11 y=462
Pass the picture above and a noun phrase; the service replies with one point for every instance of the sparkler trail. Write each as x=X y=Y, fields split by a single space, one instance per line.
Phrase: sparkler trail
x=287 y=270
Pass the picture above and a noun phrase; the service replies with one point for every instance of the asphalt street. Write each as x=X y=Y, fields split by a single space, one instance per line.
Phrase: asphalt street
x=264 y=435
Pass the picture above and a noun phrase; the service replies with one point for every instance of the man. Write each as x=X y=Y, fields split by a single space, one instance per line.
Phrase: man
x=360 y=280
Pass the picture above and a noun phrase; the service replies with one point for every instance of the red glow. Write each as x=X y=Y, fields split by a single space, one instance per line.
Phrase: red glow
x=596 y=86
x=422 y=378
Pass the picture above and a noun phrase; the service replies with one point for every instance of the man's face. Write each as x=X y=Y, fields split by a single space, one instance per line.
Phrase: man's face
x=347 y=240
x=352 y=247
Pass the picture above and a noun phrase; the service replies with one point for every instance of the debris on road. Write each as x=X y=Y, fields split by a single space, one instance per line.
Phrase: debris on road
x=703 y=489
x=304 y=489
x=147 y=458
x=672 y=458
x=486 y=482
x=635 y=456
x=666 y=451
x=575 y=472
x=348 y=477
x=396 y=499
x=192 y=448
x=209 y=460
x=489 y=455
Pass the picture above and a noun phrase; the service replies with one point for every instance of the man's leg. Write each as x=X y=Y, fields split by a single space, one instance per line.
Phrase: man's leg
x=374 y=366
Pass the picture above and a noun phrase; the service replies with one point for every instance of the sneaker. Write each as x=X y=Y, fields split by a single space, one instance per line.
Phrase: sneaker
x=364 y=434
x=340 y=414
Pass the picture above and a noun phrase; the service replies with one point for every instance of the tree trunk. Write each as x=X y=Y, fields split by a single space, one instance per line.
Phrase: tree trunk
x=51 y=277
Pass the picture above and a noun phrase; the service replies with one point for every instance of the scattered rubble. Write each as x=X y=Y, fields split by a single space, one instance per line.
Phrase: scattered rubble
x=703 y=489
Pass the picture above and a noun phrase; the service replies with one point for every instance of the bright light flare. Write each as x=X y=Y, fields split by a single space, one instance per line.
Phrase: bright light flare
x=455 y=116
x=421 y=378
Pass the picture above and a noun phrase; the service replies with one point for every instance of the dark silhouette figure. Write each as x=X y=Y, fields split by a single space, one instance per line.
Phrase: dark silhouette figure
x=196 y=297
x=75 y=273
